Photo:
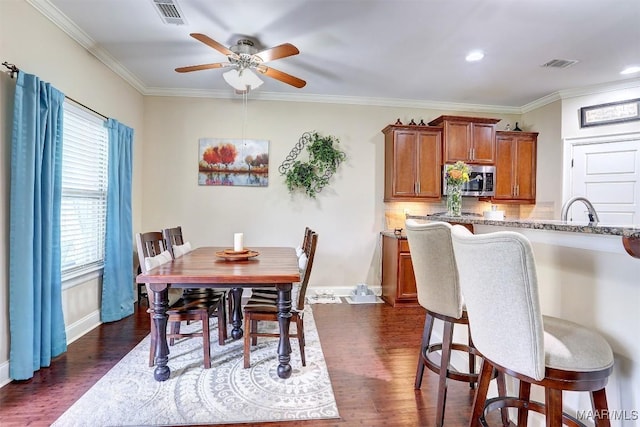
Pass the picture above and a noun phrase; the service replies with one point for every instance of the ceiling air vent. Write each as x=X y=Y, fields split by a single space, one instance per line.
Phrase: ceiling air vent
x=560 y=63
x=169 y=11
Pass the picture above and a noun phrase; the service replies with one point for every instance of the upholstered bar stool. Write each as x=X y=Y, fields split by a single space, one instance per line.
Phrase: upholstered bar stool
x=438 y=287
x=498 y=279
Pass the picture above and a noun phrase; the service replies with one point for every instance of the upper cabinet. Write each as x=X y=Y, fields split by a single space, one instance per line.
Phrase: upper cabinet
x=516 y=166
x=412 y=163
x=469 y=139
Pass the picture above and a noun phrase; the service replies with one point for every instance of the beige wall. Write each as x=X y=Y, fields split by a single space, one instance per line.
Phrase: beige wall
x=348 y=215
x=35 y=45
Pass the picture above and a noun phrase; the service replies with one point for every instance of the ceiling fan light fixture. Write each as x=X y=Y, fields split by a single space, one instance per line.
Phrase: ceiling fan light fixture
x=474 y=56
x=242 y=80
x=631 y=70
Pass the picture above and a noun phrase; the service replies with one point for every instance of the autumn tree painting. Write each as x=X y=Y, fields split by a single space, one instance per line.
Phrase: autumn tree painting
x=233 y=162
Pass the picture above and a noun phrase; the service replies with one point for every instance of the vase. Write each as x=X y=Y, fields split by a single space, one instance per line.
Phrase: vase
x=454 y=199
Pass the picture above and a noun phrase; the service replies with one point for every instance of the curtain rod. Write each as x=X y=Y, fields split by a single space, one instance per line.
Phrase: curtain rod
x=11 y=67
x=14 y=70
x=84 y=106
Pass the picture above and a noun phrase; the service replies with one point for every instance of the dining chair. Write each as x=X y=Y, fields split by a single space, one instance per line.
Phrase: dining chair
x=439 y=293
x=152 y=253
x=178 y=247
x=302 y=252
x=265 y=308
x=500 y=287
x=141 y=289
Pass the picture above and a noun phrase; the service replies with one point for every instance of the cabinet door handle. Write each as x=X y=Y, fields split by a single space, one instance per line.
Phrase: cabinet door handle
x=517 y=190
x=418 y=187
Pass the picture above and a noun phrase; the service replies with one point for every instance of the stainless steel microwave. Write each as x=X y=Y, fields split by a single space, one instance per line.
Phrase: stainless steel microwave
x=481 y=181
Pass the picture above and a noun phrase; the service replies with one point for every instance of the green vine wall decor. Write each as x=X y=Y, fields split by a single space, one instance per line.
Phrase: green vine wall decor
x=314 y=174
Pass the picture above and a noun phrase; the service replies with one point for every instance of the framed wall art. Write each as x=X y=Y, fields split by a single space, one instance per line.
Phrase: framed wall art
x=610 y=113
x=233 y=162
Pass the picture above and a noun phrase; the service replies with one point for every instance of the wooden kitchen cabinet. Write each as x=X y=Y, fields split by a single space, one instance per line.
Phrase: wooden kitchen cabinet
x=413 y=165
x=516 y=166
x=398 y=280
x=468 y=139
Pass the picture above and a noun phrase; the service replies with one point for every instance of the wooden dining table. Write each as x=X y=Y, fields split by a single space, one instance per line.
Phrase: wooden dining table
x=203 y=267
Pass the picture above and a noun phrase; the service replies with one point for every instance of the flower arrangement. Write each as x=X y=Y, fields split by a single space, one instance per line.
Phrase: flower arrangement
x=457 y=174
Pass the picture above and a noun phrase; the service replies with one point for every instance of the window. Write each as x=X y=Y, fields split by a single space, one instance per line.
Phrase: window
x=84 y=191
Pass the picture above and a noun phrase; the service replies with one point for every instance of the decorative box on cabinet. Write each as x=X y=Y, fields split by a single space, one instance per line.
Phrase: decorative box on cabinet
x=398 y=280
x=412 y=163
x=469 y=139
x=516 y=167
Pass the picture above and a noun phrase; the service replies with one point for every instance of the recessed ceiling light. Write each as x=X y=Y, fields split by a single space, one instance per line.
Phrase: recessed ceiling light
x=474 y=55
x=631 y=70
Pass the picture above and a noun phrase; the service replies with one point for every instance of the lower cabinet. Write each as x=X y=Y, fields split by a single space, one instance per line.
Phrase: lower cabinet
x=398 y=281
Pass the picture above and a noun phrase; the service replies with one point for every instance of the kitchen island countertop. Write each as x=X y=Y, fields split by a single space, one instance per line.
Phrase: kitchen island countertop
x=630 y=233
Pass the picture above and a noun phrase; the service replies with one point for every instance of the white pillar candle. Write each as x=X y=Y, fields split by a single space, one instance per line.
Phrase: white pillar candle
x=237 y=242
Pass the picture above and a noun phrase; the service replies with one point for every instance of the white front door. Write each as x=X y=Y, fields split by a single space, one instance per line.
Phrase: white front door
x=608 y=174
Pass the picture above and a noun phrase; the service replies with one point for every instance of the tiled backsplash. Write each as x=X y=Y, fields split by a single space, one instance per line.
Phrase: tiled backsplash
x=395 y=212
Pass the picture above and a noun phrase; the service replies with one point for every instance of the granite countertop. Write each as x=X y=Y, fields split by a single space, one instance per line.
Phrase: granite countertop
x=629 y=231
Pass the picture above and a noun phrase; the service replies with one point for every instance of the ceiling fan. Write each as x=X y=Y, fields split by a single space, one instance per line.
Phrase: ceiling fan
x=244 y=58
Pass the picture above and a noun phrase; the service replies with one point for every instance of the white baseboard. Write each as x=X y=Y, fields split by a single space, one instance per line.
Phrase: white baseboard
x=82 y=326
x=73 y=331
x=4 y=374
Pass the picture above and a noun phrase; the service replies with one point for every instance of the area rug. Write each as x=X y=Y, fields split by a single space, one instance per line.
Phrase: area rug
x=227 y=393
x=323 y=297
x=378 y=300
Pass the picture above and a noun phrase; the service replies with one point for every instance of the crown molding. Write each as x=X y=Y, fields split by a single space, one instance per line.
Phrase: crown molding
x=540 y=102
x=333 y=99
x=600 y=88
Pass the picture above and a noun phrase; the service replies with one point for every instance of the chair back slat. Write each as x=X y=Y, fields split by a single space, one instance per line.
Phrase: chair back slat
x=307 y=234
x=310 y=252
x=149 y=244
x=173 y=236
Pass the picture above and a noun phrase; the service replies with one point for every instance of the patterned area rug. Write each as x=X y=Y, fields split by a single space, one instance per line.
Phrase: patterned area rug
x=227 y=393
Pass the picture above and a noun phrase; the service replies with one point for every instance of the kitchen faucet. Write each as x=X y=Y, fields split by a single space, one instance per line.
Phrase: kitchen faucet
x=593 y=216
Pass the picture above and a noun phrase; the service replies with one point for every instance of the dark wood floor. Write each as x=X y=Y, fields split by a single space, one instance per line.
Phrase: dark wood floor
x=371 y=351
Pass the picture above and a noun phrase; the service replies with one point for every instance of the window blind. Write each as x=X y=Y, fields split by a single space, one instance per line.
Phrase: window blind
x=84 y=191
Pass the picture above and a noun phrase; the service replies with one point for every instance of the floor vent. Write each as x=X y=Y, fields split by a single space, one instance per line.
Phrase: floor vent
x=169 y=11
x=560 y=63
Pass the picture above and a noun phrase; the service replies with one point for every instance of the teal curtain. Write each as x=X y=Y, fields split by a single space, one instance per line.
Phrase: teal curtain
x=117 y=282
x=36 y=321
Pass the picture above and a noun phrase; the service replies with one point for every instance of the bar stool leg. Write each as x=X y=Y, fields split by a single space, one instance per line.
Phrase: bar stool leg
x=599 y=404
x=524 y=395
x=447 y=338
x=426 y=337
x=553 y=403
x=486 y=371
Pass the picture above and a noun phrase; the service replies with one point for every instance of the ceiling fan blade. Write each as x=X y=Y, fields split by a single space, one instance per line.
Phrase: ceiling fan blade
x=212 y=43
x=277 y=52
x=201 y=67
x=282 y=76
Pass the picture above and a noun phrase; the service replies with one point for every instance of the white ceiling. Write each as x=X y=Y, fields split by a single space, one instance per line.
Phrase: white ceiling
x=369 y=50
